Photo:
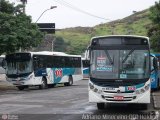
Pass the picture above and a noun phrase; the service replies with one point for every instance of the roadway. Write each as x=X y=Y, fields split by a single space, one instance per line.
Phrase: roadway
x=64 y=103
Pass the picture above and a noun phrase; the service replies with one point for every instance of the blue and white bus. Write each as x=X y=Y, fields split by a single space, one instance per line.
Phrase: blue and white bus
x=42 y=69
x=85 y=68
x=155 y=82
x=120 y=70
x=158 y=57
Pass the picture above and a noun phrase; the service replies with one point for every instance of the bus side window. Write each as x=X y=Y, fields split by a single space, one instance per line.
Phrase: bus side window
x=63 y=62
x=35 y=62
x=57 y=61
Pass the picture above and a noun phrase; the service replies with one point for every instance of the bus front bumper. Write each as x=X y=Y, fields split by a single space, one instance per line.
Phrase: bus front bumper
x=127 y=98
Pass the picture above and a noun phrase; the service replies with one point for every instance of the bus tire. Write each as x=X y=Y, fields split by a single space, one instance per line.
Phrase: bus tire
x=70 y=81
x=100 y=106
x=20 y=87
x=51 y=85
x=143 y=106
x=44 y=83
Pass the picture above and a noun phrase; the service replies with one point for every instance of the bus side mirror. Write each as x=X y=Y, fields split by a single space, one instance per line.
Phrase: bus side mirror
x=4 y=63
x=155 y=63
x=87 y=63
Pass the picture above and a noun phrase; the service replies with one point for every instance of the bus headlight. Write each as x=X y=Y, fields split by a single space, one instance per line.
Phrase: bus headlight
x=91 y=86
x=31 y=76
x=147 y=87
x=142 y=90
x=99 y=91
x=95 y=90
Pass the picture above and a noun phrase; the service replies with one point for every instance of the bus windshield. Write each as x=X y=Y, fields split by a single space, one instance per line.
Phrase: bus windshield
x=120 y=64
x=19 y=67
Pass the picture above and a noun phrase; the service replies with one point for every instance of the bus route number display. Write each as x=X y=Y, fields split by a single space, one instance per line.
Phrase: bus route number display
x=101 y=65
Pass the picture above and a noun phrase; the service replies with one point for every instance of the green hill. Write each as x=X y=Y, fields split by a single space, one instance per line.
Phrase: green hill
x=79 y=37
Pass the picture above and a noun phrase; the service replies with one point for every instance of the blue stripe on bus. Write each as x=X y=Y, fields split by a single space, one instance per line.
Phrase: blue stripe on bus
x=40 y=72
x=62 y=72
x=140 y=85
x=85 y=70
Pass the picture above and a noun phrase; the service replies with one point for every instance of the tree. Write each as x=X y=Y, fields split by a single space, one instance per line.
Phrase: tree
x=60 y=45
x=154 y=31
x=16 y=30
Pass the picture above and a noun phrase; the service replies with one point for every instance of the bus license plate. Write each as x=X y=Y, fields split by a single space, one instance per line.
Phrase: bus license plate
x=118 y=97
x=110 y=88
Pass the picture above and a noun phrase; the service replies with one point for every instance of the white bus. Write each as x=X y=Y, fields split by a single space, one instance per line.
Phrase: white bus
x=119 y=70
x=42 y=69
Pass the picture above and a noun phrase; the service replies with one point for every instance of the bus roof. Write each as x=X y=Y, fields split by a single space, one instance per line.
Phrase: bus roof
x=120 y=36
x=48 y=53
x=51 y=53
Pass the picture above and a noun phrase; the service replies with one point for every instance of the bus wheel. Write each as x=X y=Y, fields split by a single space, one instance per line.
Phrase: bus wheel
x=142 y=106
x=44 y=84
x=70 y=81
x=100 y=106
x=20 y=87
x=51 y=85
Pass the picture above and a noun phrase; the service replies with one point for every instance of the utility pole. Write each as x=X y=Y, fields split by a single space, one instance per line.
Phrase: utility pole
x=24 y=2
x=41 y=25
x=54 y=38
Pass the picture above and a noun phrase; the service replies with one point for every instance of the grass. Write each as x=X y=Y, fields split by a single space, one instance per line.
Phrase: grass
x=79 y=37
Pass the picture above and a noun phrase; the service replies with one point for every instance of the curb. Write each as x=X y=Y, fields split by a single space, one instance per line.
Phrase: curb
x=6 y=87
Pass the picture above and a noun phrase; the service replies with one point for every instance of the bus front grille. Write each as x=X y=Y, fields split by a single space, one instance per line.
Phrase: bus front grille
x=111 y=98
x=116 y=92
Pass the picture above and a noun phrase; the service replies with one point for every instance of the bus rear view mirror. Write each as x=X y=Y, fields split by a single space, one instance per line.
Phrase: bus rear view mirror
x=87 y=62
x=155 y=63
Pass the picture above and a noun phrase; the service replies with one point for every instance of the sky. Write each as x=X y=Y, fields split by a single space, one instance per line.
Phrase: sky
x=85 y=13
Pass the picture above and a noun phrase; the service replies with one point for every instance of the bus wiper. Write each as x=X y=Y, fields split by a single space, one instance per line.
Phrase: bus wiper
x=109 y=57
x=130 y=52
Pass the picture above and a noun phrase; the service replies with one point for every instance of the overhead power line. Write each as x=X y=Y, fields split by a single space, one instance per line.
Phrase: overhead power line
x=78 y=9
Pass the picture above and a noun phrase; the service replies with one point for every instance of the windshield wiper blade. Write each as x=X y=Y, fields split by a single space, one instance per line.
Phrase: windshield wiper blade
x=109 y=57
x=130 y=52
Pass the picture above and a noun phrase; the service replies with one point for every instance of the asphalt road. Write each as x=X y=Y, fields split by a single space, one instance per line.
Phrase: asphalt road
x=64 y=103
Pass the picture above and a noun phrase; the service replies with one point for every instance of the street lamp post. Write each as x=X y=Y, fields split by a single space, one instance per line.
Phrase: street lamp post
x=52 y=7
